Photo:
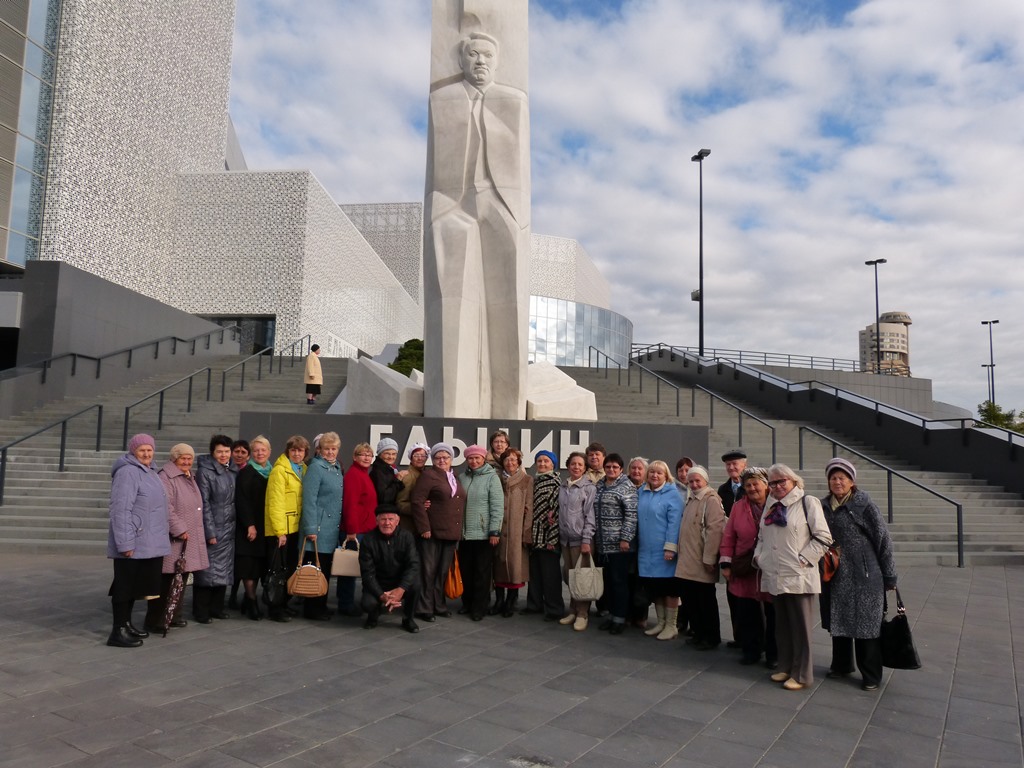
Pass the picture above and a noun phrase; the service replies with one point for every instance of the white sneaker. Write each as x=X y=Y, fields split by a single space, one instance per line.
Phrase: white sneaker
x=569 y=618
x=580 y=624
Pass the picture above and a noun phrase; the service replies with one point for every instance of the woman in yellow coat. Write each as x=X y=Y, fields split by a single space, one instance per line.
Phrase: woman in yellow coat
x=283 y=509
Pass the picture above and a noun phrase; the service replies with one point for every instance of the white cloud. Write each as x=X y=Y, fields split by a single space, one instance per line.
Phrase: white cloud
x=897 y=133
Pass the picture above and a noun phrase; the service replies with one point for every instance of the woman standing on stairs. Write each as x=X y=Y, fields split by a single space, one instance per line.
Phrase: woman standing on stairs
x=314 y=376
x=217 y=486
x=137 y=539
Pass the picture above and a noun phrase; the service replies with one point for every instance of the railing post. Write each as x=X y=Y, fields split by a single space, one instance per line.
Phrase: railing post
x=3 y=473
x=156 y=350
x=99 y=426
x=223 y=384
x=259 y=368
x=712 y=404
x=74 y=364
x=160 y=413
x=209 y=376
x=99 y=362
x=193 y=347
x=774 y=458
x=739 y=425
x=888 y=477
x=800 y=447
x=693 y=403
x=188 y=403
x=959 y=533
x=124 y=437
x=63 y=444
x=129 y=358
x=677 y=402
x=241 y=388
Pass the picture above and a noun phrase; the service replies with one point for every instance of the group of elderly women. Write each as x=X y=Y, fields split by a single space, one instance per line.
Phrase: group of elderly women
x=659 y=538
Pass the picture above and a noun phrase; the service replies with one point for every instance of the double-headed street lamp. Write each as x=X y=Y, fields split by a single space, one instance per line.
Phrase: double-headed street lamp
x=878 y=323
x=991 y=363
x=699 y=159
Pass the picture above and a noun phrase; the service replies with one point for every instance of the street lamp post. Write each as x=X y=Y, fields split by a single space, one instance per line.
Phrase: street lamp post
x=878 y=314
x=699 y=159
x=991 y=363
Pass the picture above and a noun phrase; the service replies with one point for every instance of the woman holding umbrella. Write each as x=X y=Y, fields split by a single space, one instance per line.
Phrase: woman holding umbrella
x=185 y=523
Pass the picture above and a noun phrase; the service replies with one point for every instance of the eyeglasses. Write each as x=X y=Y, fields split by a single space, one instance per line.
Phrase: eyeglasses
x=777 y=483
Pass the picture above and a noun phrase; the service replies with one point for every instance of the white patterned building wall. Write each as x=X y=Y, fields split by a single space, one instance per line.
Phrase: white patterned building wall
x=560 y=268
x=275 y=243
x=395 y=232
x=141 y=94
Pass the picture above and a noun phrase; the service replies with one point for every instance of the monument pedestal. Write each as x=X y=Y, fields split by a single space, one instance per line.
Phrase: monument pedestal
x=551 y=395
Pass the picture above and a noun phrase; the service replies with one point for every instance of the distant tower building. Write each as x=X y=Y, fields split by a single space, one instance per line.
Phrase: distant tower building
x=895 y=344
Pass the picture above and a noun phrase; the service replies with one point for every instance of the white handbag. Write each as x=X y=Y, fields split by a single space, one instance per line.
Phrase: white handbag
x=346 y=561
x=586 y=583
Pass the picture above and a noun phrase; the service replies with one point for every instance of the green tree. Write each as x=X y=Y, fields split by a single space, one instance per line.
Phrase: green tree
x=409 y=356
x=992 y=413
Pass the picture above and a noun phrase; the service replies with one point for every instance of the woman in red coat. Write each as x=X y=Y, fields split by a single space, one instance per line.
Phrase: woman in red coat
x=358 y=506
x=755 y=616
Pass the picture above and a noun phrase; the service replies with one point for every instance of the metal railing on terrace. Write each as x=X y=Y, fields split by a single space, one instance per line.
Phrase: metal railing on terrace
x=659 y=380
x=169 y=342
x=749 y=357
x=1013 y=439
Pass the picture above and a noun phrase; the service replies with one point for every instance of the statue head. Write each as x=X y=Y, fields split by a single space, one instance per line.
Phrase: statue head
x=479 y=57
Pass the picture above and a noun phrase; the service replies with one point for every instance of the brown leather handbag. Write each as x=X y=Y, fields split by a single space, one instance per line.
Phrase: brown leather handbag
x=308 y=580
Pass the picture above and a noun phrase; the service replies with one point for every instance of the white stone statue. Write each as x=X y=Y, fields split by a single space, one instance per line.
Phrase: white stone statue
x=477 y=239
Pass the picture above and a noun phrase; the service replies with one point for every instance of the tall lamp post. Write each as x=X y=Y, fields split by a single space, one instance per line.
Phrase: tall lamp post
x=878 y=314
x=699 y=159
x=991 y=363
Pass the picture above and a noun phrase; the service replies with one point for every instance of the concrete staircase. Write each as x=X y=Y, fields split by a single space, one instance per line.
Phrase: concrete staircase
x=45 y=510
x=66 y=512
x=923 y=527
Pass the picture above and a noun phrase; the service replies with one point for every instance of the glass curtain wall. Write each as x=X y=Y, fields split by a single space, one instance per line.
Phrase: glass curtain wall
x=28 y=49
x=562 y=332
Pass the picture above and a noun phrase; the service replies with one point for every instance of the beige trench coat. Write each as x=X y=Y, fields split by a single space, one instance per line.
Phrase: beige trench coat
x=512 y=555
x=700 y=536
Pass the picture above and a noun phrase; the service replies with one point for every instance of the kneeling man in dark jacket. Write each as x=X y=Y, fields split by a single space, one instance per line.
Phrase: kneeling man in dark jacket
x=390 y=566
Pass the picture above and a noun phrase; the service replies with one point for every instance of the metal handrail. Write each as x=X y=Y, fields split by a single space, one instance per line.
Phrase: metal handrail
x=160 y=393
x=658 y=379
x=890 y=473
x=1012 y=438
x=607 y=359
x=764 y=358
x=304 y=343
x=740 y=413
x=259 y=366
x=47 y=363
x=63 y=441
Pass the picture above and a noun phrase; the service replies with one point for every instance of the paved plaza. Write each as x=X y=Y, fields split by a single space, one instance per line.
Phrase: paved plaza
x=503 y=692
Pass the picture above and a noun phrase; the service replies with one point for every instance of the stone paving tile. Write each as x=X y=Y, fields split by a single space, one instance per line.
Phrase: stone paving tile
x=982 y=748
x=108 y=734
x=430 y=754
x=184 y=741
x=266 y=747
x=347 y=751
x=706 y=750
x=638 y=749
x=479 y=736
x=121 y=756
x=547 y=746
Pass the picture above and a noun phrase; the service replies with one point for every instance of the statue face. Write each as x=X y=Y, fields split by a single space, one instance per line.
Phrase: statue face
x=479 y=60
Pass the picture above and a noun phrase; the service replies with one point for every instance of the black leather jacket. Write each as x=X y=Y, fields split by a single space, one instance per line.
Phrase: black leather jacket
x=387 y=562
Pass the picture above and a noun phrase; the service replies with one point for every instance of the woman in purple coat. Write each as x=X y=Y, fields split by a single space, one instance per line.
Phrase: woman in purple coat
x=137 y=539
x=185 y=521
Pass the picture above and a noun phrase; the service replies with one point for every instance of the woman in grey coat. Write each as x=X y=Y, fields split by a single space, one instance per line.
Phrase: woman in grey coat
x=852 y=602
x=217 y=487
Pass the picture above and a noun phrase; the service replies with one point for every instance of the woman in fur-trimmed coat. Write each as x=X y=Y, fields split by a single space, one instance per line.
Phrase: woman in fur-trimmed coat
x=852 y=602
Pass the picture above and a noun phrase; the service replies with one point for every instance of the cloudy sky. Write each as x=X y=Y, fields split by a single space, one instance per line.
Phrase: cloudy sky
x=840 y=131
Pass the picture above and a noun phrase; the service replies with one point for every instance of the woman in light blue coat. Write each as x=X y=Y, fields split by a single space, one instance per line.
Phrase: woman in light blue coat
x=322 y=489
x=481 y=527
x=659 y=512
x=137 y=538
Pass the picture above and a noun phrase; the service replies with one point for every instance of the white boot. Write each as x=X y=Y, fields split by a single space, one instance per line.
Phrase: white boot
x=670 y=631
x=659 y=611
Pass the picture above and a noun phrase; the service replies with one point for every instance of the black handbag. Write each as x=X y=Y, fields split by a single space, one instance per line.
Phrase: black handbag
x=898 y=651
x=275 y=583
